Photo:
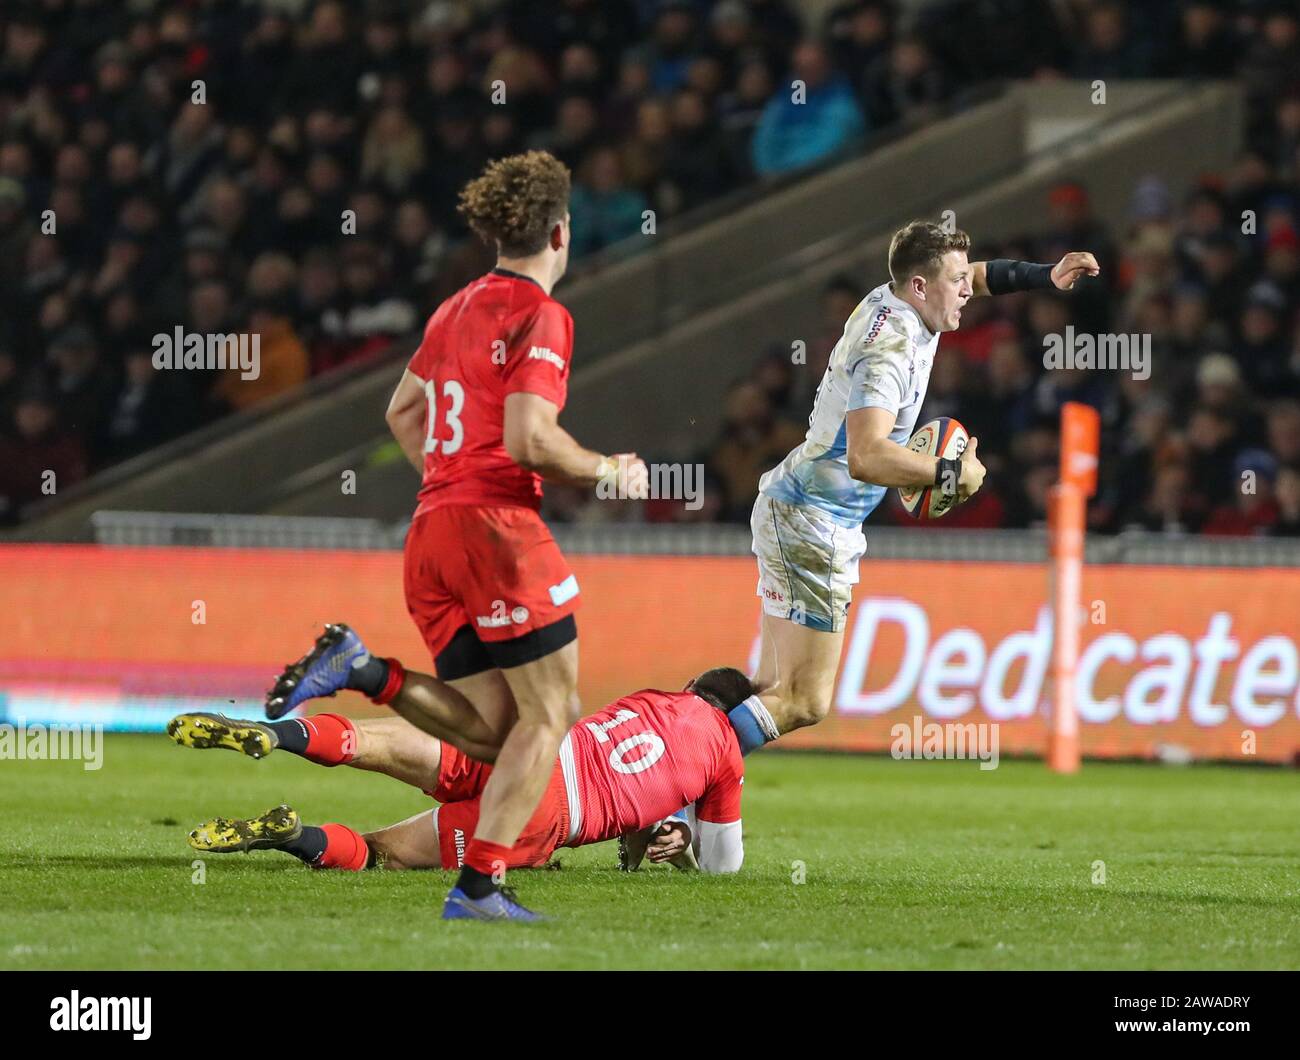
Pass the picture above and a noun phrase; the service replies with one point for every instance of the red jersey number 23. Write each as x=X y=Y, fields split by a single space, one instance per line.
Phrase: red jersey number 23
x=455 y=395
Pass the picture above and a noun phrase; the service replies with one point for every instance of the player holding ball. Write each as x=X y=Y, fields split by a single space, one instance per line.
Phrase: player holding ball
x=807 y=520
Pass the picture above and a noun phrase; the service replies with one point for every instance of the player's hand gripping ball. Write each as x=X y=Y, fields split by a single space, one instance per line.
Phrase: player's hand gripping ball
x=945 y=438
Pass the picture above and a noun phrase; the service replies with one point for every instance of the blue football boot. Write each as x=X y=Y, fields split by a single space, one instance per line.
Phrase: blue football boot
x=501 y=904
x=321 y=672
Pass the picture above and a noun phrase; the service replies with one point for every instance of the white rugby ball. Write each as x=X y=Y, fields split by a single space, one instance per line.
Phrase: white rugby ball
x=945 y=438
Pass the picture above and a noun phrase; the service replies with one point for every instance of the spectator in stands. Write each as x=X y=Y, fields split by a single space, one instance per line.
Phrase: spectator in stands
x=1273 y=57
x=698 y=167
x=1219 y=386
x=775 y=373
x=392 y=155
x=174 y=212
x=1284 y=432
x=37 y=457
x=80 y=384
x=369 y=314
x=1172 y=506
x=1253 y=509
x=753 y=440
x=577 y=129
x=10 y=386
x=1287 y=492
x=860 y=34
x=905 y=85
x=646 y=152
x=150 y=408
x=15 y=233
x=671 y=45
x=1205 y=44
x=808 y=120
x=1108 y=49
x=419 y=249
x=742 y=109
x=1212 y=449
x=603 y=209
x=283 y=362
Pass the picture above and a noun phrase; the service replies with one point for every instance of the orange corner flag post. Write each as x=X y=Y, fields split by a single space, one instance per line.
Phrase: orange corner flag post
x=1066 y=520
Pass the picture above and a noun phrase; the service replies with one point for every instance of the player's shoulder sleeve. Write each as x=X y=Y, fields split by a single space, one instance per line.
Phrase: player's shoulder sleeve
x=422 y=361
x=878 y=362
x=537 y=361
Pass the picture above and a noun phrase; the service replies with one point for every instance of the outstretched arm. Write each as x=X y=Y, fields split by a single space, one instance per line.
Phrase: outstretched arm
x=1002 y=275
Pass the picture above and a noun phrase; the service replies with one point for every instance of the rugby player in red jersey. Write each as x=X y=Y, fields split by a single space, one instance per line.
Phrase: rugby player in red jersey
x=621 y=771
x=476 y=413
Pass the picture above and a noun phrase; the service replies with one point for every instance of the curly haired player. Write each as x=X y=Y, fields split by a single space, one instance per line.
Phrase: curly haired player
x=476 y=414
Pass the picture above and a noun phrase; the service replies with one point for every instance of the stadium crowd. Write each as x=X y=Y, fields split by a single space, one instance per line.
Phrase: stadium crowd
x=129 y=206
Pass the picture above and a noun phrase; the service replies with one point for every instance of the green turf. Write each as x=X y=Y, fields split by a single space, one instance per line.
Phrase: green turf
x=907 y=864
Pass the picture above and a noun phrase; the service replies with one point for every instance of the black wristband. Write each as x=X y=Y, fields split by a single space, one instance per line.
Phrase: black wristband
x=1002 y=275
x=947 y=475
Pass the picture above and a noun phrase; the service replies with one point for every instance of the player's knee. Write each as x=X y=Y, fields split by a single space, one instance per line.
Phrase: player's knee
x=383 y=854
x=807 y=707
x=561 y=715
x=555 y=729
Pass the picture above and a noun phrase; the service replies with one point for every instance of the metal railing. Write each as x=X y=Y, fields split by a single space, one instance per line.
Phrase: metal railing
x=885 y=542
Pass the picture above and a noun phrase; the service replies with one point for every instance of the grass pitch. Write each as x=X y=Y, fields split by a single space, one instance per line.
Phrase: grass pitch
x=904 y=865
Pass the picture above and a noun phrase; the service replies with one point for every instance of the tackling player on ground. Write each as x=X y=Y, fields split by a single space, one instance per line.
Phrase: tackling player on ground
x=621 y=771
x=476 y=413
x=807 y=520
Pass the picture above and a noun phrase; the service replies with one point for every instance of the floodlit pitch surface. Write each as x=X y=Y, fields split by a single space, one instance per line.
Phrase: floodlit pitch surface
x=904 y=865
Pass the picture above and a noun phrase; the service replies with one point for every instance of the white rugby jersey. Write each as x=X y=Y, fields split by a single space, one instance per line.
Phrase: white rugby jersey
x=883 y=361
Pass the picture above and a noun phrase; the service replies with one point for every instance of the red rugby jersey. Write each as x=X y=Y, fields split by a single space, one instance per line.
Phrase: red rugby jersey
x=646 y=756
x=499 y=335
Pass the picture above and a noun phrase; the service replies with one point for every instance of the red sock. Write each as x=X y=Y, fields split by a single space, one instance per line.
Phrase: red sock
x=344 y=849
x=487 y=858
x=396 y=675
x=331 y=739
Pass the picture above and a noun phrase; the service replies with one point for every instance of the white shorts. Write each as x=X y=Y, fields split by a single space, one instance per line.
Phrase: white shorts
x=807 y=563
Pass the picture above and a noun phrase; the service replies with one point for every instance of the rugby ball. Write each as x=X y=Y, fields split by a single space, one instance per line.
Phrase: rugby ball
x=945 y=438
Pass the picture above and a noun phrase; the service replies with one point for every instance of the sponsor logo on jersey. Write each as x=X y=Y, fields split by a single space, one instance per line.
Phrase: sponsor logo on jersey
x=564 y=591
x=877 y=324
x=543 y=353
x=458 y=837
x=501 y=617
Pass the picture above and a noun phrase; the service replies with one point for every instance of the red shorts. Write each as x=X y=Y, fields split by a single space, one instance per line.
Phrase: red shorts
x=497 y=570
x=461 y=780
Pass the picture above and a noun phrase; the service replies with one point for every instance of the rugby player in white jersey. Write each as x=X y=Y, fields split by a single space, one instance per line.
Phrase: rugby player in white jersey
x=807 y=520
